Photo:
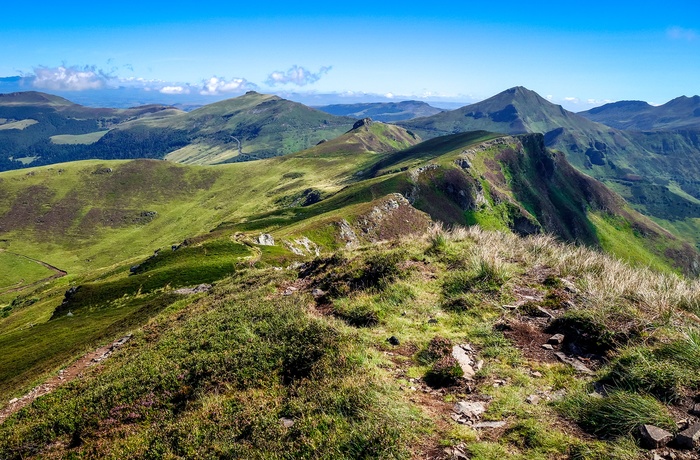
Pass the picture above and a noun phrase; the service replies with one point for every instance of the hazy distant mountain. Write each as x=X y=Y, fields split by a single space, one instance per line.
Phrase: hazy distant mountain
x=383 y=111
x=680 y=113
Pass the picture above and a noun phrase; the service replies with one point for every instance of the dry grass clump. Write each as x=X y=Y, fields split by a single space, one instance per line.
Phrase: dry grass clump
x=607 y=285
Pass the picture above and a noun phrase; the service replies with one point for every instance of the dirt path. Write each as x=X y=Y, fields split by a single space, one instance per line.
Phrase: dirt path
x=72 y=372
x=58 y=273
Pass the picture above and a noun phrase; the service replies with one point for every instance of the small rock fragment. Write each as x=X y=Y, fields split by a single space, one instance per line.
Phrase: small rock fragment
x=556 y=339
x=689 y=438
x=547 y=346
x=489 y=424
x=461 y=355
x=573 y=362
x=317 y=293
x=286 y=422
x=532 y=399
x=393 y=340
x=695 y=410
x=536 y=374
x=470 y=409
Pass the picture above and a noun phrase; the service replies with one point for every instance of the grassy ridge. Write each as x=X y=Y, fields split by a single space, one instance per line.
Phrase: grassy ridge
x=217 y=375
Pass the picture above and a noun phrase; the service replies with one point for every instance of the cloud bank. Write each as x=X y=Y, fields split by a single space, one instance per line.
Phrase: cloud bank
x=296 y=75
x=73 y=78
x=215 y=86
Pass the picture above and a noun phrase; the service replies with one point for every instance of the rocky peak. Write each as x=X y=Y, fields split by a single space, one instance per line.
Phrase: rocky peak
x=363 y=122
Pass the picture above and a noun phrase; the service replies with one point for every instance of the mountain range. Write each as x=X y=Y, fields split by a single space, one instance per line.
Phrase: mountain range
x=682 y=113
x=295 y=284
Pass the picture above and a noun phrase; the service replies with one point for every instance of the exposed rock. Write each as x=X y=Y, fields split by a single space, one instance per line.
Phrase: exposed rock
x=363 y=122
x=286 y=422
x=653 y=437
x=303 y=246
x=463 y=163
x=689 y=438
x=695 y=410
x=463 y=355
x=573 y=362
x=556 y=339
x=533 y=399
x=470 y=409
x=347 y=234
x=193 y=290
x=499 y=424
x=265 y=239
x=317 y=293
x=456 y=452
x=547 y=346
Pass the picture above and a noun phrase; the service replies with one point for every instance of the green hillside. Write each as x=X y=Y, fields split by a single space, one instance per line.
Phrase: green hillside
x=664 y=163
x=41 y=128
x=308 y=305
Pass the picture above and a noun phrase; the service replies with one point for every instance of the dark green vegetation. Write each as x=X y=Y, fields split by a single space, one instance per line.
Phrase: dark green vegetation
x=31 y=121
x=335 y=342
x=664 y=164
x=43 y=129
x=682 y=113
x=382 y=111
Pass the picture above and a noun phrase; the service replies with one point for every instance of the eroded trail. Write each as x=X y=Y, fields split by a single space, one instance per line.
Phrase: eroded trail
x=58 y=273
x=68 y=374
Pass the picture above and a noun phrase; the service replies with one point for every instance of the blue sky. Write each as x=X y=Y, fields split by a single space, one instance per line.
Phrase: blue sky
x=577 y=55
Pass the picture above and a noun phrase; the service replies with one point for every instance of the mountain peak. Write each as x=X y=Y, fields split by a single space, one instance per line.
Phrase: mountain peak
x=364 y=122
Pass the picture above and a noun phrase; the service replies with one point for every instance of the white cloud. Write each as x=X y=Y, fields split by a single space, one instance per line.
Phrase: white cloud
x=573 y=100
x=73 y=78
x=215 y=85
x=389 y=95
x=175 y=90
x=549 y=97
x=296 y=75
x=679 y=33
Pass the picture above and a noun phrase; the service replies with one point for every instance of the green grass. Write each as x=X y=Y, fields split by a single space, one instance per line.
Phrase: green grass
x=73 y=139
x=617 y=237
x=18 y=271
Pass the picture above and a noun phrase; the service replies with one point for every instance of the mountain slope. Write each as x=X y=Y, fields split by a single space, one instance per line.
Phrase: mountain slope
x=665 y=163
x=682 y=113
x=251 y=126
x=347 y=332
x=40 y=128
x=382 y=111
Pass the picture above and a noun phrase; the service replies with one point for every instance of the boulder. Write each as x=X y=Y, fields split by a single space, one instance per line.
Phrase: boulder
x=265 y=239
x=653 y=437
x=463 y=355
x=689 y=438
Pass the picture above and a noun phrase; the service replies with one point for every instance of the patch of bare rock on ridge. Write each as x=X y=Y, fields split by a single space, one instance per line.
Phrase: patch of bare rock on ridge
x=72 y=372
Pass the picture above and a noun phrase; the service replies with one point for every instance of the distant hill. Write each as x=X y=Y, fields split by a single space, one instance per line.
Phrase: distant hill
x=656 y=171
x=40 y=128
x=248 y=127
x=681 y=113
x=383 y=111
